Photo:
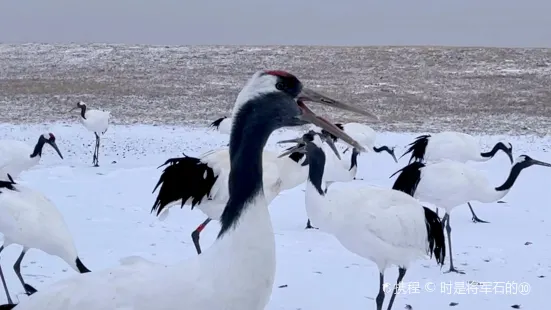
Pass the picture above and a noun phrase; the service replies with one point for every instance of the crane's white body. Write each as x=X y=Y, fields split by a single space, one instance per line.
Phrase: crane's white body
x=448 y=184
x=30 y=219
x=456 y=146
x=15 y=157
x=279 y=174
x=191 y=283
x=382 y=225
x=96 y=121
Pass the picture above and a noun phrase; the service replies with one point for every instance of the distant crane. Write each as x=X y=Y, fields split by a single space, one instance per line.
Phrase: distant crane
x=96 y=121
x=448 y=184
x=17 y=156
x=456 y=146
x=383 y=225
x=223 y=125
x=30 y=219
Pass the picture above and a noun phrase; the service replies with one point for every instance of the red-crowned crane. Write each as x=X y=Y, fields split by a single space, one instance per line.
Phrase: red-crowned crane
x=383 y=225
x=237 y=272
x=448 y=184
x=456 y=146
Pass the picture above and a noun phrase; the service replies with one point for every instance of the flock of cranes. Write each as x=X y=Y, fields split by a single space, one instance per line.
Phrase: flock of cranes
x=235 y=185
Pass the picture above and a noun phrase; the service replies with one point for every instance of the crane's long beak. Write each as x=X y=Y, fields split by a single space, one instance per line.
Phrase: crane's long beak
x=56 y=148
x=301 y=148
x=329 y=141
x=295 y=140
x=540 y=163
x=311 y=95
x=309 y=116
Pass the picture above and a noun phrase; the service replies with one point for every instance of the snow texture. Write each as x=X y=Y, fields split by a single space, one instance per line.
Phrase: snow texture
x=108 y=211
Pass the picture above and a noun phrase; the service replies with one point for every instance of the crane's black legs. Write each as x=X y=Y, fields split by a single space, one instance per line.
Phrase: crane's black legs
x=4 y=281
x=309 y=225
x=95 y=158
x=401 y=274
x=17 y=268
x=196 y=232
x=381 y=296
x=446 y=219
x=475 y=218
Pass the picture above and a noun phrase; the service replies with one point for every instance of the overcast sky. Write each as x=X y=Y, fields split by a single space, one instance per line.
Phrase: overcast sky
x=514 y=23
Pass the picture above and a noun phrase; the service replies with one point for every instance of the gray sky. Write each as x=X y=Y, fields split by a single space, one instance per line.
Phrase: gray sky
x=514 y=23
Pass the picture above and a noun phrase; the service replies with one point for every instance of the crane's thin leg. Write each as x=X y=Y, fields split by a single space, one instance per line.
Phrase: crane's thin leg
x=196 y=232
x=449 y=230
x=96 y=152
x=381 y=296
x=17 y=268
x=4 y=281
x=309 y=225
x=401 y=274
x=475 y=218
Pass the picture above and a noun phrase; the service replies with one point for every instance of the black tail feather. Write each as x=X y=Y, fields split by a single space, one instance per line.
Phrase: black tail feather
x=29 y=289
x=185 y=178
x=8 y=184
x=7 y=306
x=409 y=178
x=435 y=236
x=217 y=122
x=417 y=148
x=81 y=267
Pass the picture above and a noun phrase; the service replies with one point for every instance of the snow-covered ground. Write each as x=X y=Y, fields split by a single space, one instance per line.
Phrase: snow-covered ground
x=108 y=211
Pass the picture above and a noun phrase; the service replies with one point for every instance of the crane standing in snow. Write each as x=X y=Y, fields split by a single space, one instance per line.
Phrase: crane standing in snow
x=448 y=184
x=95 y=121
x=383 y=225
x=456 y=146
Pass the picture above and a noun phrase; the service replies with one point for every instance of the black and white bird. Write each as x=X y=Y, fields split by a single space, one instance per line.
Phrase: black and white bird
x=237 y=272
x=96 y=121
x=202 y=182
x=30 y=219
x=383 y=225
x=448 y=184
x=223 y=125
x=456 y=146
x=17 y=156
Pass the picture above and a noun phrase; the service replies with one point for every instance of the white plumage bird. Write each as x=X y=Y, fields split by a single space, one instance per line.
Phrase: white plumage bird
x=202 y=182
x=451 y=145
x=96 y=121
x=237 y=272
x=383 y=225
x=456 y=146
x=448 y=184
x=31 y=220
x=17 y=156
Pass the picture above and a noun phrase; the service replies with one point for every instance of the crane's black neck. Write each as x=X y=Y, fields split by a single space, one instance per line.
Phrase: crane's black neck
x=354 y=159
x=316 y=161
x=250 y=132
x=513 y=175
x=497 y=147
x=83 y=111
x=38 y=147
